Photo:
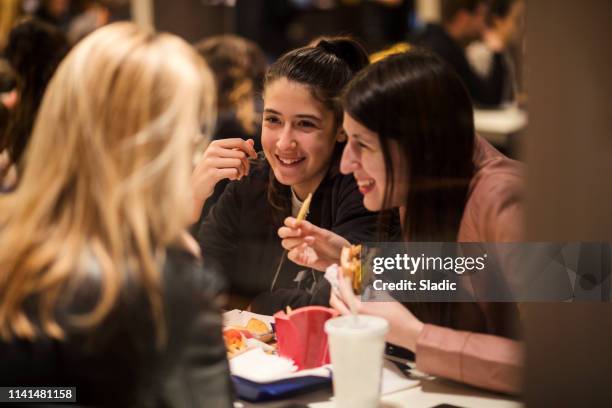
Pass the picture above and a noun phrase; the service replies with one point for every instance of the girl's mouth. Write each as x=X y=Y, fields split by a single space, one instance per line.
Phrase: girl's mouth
x=365 y=186
x=289 y=162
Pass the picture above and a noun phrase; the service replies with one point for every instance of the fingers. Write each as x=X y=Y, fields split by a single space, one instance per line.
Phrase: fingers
x=237 y=150
x=232 y=174
x=291 y=243
x=218 y=163
x=346 y=290
x=245 y=146
x=305 y=226
x=338 y=304
x=234 y=153
x=250 y=149
x=297 y=254
x=286 y=232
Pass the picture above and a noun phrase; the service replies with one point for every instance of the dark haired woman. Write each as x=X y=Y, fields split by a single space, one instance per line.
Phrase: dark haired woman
x=302 y=141
x=411 y=145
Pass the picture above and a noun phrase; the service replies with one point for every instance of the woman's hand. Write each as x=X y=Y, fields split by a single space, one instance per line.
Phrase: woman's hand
x=404 y=327
x=222 y=159
x=301 y=237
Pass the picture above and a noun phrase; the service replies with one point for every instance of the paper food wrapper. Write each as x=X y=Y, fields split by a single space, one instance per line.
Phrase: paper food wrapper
x=257 y=366
x=331 y=274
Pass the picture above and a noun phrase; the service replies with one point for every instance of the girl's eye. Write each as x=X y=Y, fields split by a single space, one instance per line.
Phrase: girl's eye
x=271 y=120
x=361 y=145
x=306 y=124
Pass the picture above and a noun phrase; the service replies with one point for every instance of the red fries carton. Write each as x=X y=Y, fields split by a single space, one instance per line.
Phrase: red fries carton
x=301 y=336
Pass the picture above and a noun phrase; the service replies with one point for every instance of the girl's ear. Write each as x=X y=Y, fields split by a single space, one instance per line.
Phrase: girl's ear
x=341 y=135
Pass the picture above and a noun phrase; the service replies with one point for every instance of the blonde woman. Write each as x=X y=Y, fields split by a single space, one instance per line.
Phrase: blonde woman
x=97 y=287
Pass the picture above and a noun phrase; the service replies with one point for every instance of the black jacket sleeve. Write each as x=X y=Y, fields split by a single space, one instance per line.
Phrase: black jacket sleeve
x=218 y=232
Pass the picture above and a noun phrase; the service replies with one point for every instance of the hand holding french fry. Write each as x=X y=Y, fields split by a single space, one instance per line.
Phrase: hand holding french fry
x=302 y=240
x=222 y=159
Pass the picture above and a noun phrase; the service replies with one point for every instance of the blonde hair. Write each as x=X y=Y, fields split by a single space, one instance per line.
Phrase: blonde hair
x=107 y=174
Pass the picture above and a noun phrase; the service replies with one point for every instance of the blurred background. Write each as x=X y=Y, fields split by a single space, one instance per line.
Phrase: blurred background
x=276 y=26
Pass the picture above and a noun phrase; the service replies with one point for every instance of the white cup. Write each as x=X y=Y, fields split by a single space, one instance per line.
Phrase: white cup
x=357 y=345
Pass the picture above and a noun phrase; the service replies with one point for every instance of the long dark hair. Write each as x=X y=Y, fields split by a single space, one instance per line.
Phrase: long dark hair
x=416 y=100
x=325 y=68
x=34 y=50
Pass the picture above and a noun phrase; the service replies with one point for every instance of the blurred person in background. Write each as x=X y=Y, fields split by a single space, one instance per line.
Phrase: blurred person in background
x=464 y=21
x=34 y=51
x=505 y=22
x=55 y=12
x=412 y=145
x=100 y=284
x=266 y=22
x=239 y=67
x=385 y=22
x=302 y=140
x=92 y=15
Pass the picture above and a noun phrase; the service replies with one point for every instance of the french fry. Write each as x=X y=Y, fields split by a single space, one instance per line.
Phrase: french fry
x=304 y=209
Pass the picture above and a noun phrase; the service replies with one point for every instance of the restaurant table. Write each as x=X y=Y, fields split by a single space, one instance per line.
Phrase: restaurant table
x=428 y=394
x=497 y=125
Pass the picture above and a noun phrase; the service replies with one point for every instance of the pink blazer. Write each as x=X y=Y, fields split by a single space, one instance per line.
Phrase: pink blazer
x=493 y=213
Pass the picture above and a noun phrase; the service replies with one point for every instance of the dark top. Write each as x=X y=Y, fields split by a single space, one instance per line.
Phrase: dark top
x=484 y=91
x=240 y=235
x=117 y=364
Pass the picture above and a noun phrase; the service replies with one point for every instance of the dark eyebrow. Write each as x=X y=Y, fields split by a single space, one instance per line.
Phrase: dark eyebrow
x=306 y=116
x=268 y=110
x=299 y=116
x=361 y=138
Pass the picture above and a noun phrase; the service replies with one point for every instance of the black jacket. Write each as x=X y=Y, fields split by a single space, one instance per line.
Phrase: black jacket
x=117 y=364
x=487 y=92
x=240 y=236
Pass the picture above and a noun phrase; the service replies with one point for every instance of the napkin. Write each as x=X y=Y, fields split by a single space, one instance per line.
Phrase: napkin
x=331 y=274
x=257 y=366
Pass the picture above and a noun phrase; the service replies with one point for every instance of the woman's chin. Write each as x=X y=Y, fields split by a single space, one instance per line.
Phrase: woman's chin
x=372 y=203
x=286 y=179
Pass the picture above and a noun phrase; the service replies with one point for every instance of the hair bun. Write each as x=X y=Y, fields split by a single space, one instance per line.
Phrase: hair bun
x=348 y=50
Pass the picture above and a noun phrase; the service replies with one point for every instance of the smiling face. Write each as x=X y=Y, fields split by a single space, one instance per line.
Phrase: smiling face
x=363 y=156
x=298 y=135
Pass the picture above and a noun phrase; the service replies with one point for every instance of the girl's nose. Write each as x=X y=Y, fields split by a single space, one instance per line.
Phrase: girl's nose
x=286 y=140
x=350 y=160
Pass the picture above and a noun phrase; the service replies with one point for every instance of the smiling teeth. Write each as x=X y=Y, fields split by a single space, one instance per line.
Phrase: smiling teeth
x=366 y=183
x=289 y=161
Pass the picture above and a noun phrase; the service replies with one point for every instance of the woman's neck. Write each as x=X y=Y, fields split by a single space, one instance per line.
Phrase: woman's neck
x=302 y=190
